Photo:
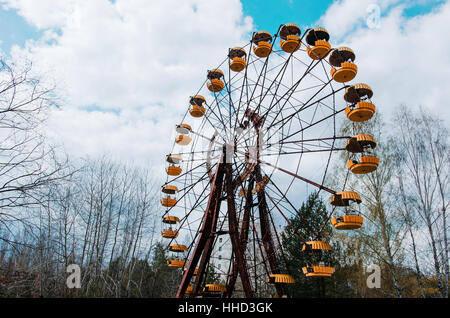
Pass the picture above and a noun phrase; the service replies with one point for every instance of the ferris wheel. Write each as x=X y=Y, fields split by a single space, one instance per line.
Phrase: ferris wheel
x=260 y=133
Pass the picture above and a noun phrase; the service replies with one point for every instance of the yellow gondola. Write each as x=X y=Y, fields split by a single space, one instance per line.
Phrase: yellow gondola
x=215 y=85
x=238 y=62
x=347 y=222
x=169 y=189
x=344 y=198
x=170 y=200
x=175 y=263
x=360 y=143
x=215 y=288
x=318 y=46
x=173 y=169
x=350 y=220
x=197 y=110
x=360 y=108
x=362 y=112
x=316 y=246
x=363 y=144
x=280 y=279
x=290 y=37
x=183 y=129
x=168 y=232
x=169 y=219
x=183 y=139
x=171 y=234
x=318 y=271
x=366 y=164
x=177 y=248
x=262 y=41
x=343 y=70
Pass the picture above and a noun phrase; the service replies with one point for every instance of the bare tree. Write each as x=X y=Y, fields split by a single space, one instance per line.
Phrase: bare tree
x=98 y=214
x=115 y=208
x=381 y=238
x=29 y=167
x=422 y=147
x=28 y=164
x=407 y=212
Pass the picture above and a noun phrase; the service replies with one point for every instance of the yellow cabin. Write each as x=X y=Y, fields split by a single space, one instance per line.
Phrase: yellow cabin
x=175 y=263
x=171 y=234
x=262 y=44
x=177 y=248
x=318 y=271
x=197 y=109
x=360 y=108
x=316 y=246
x=290 y=37
x=350 y=218
x=280 y=279
x=215 y=83
x=343 y=70
x=318 y=46
x=173 y=169
x=362 y=146
x=215 y=288
x=183 y=139
x=237 y=56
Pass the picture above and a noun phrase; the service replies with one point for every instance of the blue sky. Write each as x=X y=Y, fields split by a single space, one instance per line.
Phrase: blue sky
x=14 y=30
x=85 y=62
x=421 y=8
x=268 y=14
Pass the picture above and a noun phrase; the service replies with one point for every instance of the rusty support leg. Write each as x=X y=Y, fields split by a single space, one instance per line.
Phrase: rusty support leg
x=207 y=250
x=209 y=219
x=266 y=235
x=234 y=233
x=243 y=235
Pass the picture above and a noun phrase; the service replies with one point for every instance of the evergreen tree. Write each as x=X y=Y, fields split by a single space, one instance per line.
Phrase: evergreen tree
x=164 y=279
x=212 y=277
x=311 y=219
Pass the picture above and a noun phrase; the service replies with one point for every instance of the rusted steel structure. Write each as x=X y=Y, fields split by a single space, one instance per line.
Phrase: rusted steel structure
x=235 y=169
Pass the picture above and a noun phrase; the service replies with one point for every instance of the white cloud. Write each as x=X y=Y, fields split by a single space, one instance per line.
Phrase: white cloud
x=344 y=16
x=139 y=60
x=43 y=13
x=404 y=60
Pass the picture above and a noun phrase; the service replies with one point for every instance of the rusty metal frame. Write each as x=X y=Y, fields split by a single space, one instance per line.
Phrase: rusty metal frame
x=204 y=244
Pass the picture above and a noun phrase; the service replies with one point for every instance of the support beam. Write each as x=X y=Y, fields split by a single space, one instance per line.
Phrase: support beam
x=243 y=235
x=209 y=219
x=234 y=233
x=266 y=235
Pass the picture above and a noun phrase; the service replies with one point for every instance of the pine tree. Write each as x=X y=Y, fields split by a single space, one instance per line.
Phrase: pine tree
x=311 y=216
x=312 y=224
x=164 y=279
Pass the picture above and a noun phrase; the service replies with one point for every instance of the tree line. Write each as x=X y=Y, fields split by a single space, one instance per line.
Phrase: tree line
x=404 y=205
x=104 y=215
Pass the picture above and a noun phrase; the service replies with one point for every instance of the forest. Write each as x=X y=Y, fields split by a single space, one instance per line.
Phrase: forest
x=105 y=215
